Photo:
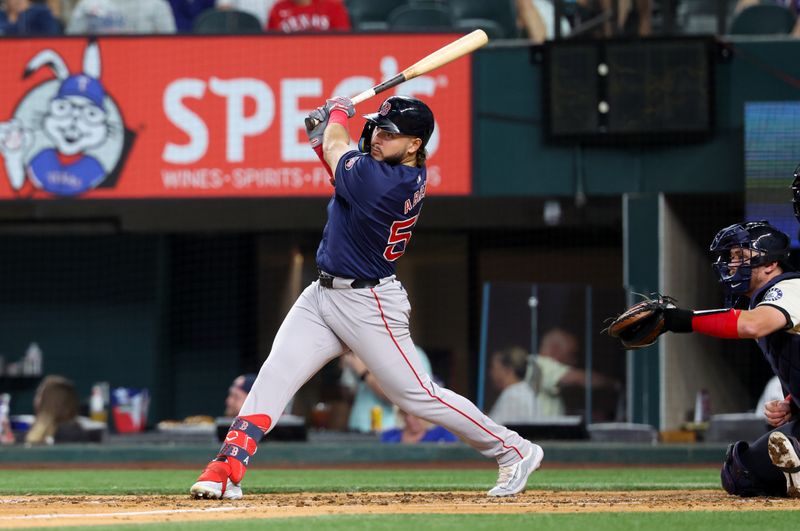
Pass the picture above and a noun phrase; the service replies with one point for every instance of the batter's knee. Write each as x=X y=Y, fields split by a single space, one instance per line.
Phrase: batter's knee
x=736 y=478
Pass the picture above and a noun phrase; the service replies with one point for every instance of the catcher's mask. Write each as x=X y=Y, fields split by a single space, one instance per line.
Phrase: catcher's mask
x=402 y=115
x=796 y=192
x=741 y=247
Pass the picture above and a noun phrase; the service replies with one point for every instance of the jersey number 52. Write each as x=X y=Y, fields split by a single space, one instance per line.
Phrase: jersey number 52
x=400 y=233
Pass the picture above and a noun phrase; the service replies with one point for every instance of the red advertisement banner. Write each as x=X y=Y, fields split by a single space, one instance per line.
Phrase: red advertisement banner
x=173 y=117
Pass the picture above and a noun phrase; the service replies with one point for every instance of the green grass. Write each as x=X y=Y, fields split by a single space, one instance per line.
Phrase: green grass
x=269 y=481
x=683 y=521
x=16 y=482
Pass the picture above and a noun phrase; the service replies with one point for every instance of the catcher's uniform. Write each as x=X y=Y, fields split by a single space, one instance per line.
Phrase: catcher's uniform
x=782 y=351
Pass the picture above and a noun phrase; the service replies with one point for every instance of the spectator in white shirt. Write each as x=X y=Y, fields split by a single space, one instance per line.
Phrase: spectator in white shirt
x=516 y=403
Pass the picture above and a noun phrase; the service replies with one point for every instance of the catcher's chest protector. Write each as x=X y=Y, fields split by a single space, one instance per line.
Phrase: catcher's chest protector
x=781 y=349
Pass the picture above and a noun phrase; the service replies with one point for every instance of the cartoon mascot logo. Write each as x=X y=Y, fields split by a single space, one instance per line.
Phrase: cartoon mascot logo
x=67 y=135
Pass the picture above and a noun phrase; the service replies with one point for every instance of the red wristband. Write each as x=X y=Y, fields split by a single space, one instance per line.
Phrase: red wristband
x=318 y=151
x=717 y=324
x=338 y=116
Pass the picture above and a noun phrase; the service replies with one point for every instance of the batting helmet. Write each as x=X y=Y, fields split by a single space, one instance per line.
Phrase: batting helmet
x=765 y=244
x=402 y=115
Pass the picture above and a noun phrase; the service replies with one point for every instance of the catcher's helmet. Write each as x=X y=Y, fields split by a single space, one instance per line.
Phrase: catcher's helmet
x=402 y=115
x=796 y=192
x=765 y=244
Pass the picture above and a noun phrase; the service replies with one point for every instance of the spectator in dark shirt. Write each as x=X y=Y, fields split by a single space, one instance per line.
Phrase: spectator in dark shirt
x=185 y=11
x=292 y=16
x=26 y=17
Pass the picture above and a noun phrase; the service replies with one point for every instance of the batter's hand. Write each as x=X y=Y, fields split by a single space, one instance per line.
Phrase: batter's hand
x=778 y=412
x=316 y=122
x=341 y=103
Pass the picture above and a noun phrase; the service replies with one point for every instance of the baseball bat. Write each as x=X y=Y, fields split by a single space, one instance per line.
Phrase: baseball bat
x=450 y=52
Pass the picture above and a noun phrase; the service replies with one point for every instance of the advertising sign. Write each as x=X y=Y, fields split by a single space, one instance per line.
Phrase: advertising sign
x=206 y=116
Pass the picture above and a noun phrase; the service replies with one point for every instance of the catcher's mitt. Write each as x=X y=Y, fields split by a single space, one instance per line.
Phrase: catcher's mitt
x=641 y=324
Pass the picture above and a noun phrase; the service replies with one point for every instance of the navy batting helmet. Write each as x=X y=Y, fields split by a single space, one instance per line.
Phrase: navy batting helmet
x=402 y=115
x=734 y=267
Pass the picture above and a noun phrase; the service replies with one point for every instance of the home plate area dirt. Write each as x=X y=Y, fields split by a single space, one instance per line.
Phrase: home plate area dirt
x=45 y=511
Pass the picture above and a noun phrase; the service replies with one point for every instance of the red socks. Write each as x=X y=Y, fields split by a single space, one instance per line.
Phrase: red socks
x=242 y=441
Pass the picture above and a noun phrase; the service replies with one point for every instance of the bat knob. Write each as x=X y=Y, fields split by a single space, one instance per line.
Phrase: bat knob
x=311 y=123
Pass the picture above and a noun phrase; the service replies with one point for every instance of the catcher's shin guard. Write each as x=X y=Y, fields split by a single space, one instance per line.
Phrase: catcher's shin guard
x=241 y=443
x=737 y=478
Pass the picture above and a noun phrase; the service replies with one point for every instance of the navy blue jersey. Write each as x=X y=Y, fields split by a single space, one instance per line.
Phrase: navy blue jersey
x=370 y=216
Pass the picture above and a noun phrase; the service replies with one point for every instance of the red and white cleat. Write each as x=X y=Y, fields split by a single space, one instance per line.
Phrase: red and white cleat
x=215 y=483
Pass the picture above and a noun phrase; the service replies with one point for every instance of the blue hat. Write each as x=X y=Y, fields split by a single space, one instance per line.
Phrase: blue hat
x=83 y=85
x=245 y=381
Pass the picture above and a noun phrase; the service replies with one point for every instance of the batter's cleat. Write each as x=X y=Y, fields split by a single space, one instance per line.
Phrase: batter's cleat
x=513 y=478
x=784 y=451
x=215 y=483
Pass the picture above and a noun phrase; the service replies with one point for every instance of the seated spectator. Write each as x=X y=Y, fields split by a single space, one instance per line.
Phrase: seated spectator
x=416 y=430
x=625 y=14
x=121 y=16
x=516 y=403
x=185 y=11
x=237 y=392
x=55 y=406
x=556 y=368
x=292 y=16
x=537 y=18
x=65 y=8
x=28 y=17
x=368 y=394
x=258 y=8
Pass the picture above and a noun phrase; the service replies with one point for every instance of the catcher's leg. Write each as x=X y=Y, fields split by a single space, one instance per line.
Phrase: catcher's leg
x=747 y=470
x=302 y=346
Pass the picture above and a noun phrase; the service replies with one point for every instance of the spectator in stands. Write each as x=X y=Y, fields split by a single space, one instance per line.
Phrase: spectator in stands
x=537 y=19
x=121 y=16
x=237 y=392
x=56 y=408
x=556 y=368
x=611 y=25
x=516 y=403
x=292 y=16
x=258 y=8
x=368 y=394
x=64 y=10
x=28 y=17
x=185 y=11
x=416 y=430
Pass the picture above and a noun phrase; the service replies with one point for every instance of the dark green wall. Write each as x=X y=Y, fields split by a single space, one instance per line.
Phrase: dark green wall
x=513 y=158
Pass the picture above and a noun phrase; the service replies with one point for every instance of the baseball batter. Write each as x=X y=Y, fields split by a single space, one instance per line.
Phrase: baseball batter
x=357 y=303
x=752 y=261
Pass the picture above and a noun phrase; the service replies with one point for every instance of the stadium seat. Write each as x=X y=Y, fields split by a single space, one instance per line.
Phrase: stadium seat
x=763 y=20
x=492 y=28
x=503 y=12
x=421 y=17
x=226 y=21
x=371 y=15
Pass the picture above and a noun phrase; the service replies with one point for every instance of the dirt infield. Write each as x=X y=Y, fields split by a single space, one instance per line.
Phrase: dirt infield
x=41 y=511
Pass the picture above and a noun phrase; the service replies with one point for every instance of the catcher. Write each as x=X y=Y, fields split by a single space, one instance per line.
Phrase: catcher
x=752 y=261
